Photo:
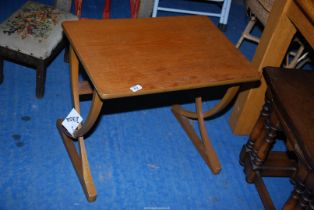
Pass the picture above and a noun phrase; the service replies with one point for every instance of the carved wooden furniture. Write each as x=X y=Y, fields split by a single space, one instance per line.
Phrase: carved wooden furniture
x=223 y=14
x=289 y=109
x=166 y=56
x=287 y=17
x=33 y=36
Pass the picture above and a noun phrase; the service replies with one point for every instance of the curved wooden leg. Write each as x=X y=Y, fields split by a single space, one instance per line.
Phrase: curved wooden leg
x=203 y=143
x=40 y=79
x=79 y=159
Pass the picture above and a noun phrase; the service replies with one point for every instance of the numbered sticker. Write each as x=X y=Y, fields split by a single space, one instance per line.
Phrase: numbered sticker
x=136 y=88
x=72 y=121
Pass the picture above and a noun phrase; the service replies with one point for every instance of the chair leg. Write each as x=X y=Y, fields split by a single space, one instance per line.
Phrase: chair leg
x=40 y=79
x=1 y=70
x=246 y=33
x=224 y=15
x=299 y=57
x=155 y=8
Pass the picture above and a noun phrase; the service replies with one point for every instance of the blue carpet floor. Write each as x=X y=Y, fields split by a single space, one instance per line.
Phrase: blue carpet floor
x=140 y=157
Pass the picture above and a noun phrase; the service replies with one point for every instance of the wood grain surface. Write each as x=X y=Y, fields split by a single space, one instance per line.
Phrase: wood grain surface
x=160 y=54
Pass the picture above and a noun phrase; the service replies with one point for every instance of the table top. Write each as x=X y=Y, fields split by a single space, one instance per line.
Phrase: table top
x=293 y=93
x=161 y=54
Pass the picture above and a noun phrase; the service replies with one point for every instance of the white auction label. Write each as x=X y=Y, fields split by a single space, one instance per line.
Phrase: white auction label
x=72 y=121
x=136 y=88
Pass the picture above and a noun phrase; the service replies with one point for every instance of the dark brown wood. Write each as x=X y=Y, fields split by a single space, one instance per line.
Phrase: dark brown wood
x=293 y=95
x=1 y=69
x=278 y=164
x=40 y=79
x=39 y=64
x=288 y=108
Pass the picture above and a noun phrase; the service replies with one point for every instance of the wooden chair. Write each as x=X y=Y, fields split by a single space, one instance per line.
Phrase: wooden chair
x=223 y=14
x=258 y=10
x=33 y=36
x=288 y=108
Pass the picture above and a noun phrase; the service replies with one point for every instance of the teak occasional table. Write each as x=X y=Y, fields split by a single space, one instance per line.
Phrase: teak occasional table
x=159 y=54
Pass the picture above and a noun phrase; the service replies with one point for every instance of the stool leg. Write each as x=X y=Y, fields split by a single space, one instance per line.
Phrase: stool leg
x=1 y=70
x=257 y=133
x=257 y=136
x=262 y=147
x=298 y=198
x=66 y=52
x=40 y=79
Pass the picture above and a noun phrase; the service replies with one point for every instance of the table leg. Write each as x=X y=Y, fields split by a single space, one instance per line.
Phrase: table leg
x=79 y=159
x=203 y=143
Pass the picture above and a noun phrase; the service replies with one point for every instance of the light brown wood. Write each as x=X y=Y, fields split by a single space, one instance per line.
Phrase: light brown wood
x=92 y=116
x=229 y=95
x=80 y=163
x=285 y=19
x=85 y=88
x=301 y=20
x=207 y=152
x=203 y=143
x=79 y=159
x=161 y=54
x=307 y=6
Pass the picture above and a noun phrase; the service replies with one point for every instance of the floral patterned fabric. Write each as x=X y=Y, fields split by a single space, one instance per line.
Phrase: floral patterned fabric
x=34 y=20
x=35 y=29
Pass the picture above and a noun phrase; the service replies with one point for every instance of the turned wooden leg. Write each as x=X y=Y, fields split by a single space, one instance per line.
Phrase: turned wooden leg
x=259 y=132
x=1 y=70
x=255 y=151
x=295 y=200
x=271 y=126
x=257 y=138
x=40 y=79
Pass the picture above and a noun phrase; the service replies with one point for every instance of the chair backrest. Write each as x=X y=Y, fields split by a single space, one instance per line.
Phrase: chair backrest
x=64 y=5
x=222 y=14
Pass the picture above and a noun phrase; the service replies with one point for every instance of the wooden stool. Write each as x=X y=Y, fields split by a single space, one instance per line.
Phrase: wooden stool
x=33 y=36
x=289 y=109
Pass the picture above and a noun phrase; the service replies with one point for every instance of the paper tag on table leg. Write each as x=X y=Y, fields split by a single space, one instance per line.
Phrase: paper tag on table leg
x=72 y=121
x=136 y=88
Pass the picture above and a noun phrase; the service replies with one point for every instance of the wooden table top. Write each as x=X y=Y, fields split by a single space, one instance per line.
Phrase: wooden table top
x=160 y=54
x=293 y=93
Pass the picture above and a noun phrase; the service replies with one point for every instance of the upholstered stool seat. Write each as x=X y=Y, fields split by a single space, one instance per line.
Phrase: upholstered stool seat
x=33 y=35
